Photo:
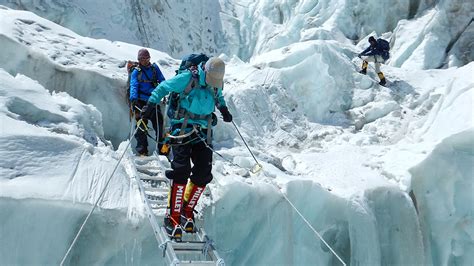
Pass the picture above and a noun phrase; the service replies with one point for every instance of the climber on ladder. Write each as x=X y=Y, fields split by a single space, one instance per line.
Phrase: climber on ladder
x=200 y=91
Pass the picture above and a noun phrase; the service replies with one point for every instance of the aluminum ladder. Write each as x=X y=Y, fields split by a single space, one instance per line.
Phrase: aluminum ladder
x=194 y=248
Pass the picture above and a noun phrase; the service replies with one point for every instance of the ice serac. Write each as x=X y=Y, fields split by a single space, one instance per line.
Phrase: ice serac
x=54 y=164
x=38 y=232
x=438 y=36
x=323 y=61
x=338 y=144
x=258 y=226
x=397 y=230
x=176 y=27
x=443 y=185
x=52 y=147
x=61 y=60
x=423 y=34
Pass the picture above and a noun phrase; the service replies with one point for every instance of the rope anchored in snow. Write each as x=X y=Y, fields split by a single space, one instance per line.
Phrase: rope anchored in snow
x=258 y=166
x=97 y=202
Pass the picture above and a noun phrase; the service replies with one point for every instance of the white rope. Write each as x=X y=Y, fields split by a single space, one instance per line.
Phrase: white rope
x=312 y=228
x=97 y=202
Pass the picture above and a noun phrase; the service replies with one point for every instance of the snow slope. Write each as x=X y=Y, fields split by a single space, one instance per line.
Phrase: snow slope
x=440 y=32
x=54 y=163
x=87 y=69
x=37 y=134
x=346 y=152
x=150 y=23
x=423 y=34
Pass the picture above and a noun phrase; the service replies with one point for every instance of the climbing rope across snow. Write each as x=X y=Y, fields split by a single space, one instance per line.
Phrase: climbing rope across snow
x=98 y=200
x=311 y=227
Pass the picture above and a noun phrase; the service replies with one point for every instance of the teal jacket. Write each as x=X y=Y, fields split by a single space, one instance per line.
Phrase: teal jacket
x=201 y=100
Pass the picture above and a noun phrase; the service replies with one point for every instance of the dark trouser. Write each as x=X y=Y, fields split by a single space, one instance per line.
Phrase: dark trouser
x=141 y=135
x=201 y=156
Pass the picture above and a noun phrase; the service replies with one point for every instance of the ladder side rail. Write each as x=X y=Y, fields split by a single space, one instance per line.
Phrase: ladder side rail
x=211 y=252
x=160 y=236
x=203 y=244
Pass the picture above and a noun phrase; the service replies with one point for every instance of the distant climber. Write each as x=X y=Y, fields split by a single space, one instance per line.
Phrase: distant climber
x=143 y=80
x=377 y=52
x=200 y=90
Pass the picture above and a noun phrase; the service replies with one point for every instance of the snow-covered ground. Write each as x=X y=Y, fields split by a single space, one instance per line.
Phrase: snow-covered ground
x=385 y=174
x=423 y=34
x=149 y=23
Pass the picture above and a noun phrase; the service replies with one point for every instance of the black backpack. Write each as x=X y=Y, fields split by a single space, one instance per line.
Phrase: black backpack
x=188 y=62
x=191 y=60
x=385 y=46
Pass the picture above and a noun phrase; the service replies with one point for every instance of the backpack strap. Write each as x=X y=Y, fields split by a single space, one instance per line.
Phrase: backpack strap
x=185 y=123
x=180 y=112
x=153 y=80
x=186 y=91
x=140 y=80
x=154 y=71
x=154 y=76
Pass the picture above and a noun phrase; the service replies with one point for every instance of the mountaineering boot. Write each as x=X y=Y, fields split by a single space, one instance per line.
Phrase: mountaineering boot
x=365 y=64
x=191 y=197
x=174 y=231
x=175 y=201
x=382 y=79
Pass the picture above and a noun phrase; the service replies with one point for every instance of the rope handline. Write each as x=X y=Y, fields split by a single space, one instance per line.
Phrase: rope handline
x=97 y=202
x=291 y=204
x=220 y=155
x=246 y=144
x=145 y=130
x=311 y=227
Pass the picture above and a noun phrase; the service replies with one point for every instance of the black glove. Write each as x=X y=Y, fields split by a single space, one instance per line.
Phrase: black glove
x=147 y=111
x=359 y=55
x=226 y=116
x=214 y=120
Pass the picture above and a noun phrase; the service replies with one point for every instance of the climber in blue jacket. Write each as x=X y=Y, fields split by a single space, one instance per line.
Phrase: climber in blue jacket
x=143 y=80
x=377 y=52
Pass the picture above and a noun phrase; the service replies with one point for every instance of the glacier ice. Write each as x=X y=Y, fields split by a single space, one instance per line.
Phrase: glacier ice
x=344 y=150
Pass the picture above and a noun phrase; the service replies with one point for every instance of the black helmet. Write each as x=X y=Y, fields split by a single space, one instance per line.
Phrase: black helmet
x=372 y=39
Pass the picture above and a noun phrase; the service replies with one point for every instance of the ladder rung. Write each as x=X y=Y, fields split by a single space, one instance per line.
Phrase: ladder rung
x=163 y=190
x=154 y=178
x=160 y=212
x=156 y=195
x=197 y=263
x=197 y=246
x=152 y=171
x=143 y=159
x=157 y=202
x=154 y=189
x=188 y=251
x=158 y=207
